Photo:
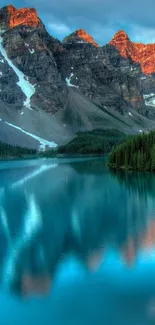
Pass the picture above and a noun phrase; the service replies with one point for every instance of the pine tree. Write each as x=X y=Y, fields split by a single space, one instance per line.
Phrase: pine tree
x=134 y=161
x=138 y=160
x=127 y=157
x=141 y=166
x=153 y=158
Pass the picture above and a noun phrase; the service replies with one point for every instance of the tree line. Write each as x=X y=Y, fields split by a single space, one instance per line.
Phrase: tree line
x=135 y=152
x=9 y=151
x=97 y=142
x=92 y=142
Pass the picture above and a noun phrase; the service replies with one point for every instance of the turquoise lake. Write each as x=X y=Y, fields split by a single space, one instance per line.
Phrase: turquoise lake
x=77 y=244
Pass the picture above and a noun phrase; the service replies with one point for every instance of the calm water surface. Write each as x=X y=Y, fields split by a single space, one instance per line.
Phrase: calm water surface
x=77 y=244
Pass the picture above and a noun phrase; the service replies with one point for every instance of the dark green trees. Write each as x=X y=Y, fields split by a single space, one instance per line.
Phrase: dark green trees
x=8 y=151
x=93 y=142
x=153 y=158
x=136 y=152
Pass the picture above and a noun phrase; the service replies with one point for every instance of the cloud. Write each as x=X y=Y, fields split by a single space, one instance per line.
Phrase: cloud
x=59 y=29
x=142 y=34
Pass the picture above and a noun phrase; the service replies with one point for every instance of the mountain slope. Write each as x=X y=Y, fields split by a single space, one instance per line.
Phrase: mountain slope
x=49 y=90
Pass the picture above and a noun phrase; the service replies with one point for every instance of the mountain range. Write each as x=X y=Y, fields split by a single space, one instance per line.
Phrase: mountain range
x=49 y=90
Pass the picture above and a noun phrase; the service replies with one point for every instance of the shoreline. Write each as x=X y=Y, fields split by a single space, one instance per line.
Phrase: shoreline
x=129 y=169
x=54 y=156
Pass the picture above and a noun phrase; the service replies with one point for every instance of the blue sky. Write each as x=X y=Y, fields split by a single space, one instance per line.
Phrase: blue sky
x=100 y=18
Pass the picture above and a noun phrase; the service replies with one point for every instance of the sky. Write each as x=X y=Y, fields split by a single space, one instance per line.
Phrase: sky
x=99 y=18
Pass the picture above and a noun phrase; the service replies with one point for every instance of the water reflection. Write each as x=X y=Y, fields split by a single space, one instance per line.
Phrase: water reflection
x=142 y=184
x=63 y=209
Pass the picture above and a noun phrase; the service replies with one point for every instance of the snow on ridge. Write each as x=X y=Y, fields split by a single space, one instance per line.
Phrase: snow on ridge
x=82 y=42
x=31 y=51
x=68 y=81
x=43 y=143
x=27 y=88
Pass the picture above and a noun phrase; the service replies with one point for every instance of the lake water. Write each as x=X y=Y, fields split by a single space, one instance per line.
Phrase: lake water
x=77 y=244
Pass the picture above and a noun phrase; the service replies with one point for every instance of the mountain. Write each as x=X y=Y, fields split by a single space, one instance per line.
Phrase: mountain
x=137 y=52
x=80 y=36
x=49 y=90
x=138 y=59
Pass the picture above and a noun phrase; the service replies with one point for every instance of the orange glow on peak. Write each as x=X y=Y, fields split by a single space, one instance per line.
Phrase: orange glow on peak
x=137 y=52
x=24 y=16
x=80 y=33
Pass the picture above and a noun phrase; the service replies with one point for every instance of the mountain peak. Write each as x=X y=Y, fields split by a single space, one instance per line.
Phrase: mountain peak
x=81 y=36
x=12 y=17
x=121 y=42
x=137 y=52
x=120 y=36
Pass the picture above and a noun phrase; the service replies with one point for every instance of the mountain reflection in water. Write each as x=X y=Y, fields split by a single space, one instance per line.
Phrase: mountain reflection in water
x=57 y=214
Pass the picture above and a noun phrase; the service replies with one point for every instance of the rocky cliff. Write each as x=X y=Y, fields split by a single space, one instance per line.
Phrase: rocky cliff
x=135 y=56
x=49 y=89
x=143 y=54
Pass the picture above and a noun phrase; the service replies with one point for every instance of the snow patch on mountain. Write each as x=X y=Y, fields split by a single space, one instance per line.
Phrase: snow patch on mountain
x=68 y=81
x=82 y=42
x=23 y=82
x=31 y=51
x=43 y=143
x=149 y=99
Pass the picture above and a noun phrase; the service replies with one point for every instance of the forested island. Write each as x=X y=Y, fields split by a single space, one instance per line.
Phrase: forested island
x=135 y=153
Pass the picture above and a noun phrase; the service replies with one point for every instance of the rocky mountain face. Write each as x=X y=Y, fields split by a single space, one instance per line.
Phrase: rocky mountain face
x=49 y=89
x=138 y=59
x=137 y=52
x=26 y=43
